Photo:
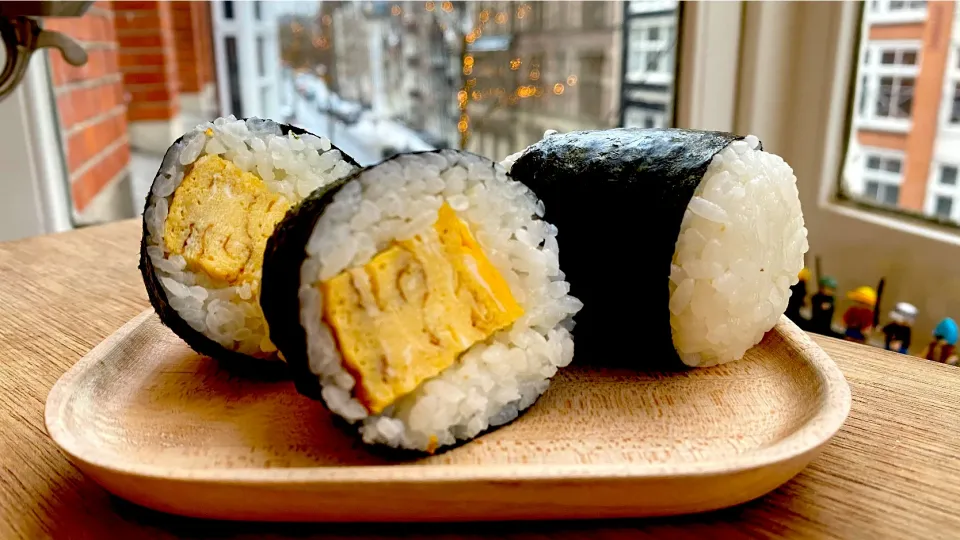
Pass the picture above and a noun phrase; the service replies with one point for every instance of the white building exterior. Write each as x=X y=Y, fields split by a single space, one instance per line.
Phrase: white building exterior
x=247 y=54
x=943 y=188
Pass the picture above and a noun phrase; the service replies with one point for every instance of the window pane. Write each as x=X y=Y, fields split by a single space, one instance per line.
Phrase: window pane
x=873 y=191
x=892 y=165
x=948 y=175
x=955 y=108
x=884 y=96
x=896 y=5
x=233 y=74
x=888 y=57
x=861 y=108
x=904 y=102
x=891 y=195
x=908 y=58
x=261 y=69
x=547 y=65
x=256 y=10
x=873 y=162
x=228 y=9
x=944 y=205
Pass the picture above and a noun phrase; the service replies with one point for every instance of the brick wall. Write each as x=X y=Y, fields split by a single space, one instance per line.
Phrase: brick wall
x=90 y=103
x=191 y=29
x=148 y=59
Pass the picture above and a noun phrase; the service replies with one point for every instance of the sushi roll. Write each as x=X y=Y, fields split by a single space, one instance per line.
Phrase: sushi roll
x=220 y=191
x=686 y=240
x=421 y=299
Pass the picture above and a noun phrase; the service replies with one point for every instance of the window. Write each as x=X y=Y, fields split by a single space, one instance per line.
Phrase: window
x=943 y=192
x=880 y=177
x=955 y=105
x=403 y=61
x=886 y=87
x=948 y=175
x=650 y=47
x=233 y=72
x=944 y=205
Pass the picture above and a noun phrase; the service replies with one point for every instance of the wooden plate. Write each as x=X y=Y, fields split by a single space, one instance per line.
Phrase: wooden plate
x=155 y=423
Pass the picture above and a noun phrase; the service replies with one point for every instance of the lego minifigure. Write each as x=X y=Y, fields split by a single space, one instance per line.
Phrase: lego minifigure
x=822 y=305
x=859 y=317
x=943 y=347
x=897 y=332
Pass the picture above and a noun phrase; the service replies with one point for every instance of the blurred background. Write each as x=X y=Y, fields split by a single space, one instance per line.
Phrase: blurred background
x=862 y=99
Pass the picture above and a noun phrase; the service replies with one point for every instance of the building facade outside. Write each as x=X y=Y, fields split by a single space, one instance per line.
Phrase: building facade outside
x=650 y=41
x=247 y=53
x=557 y=65
x=904 y=146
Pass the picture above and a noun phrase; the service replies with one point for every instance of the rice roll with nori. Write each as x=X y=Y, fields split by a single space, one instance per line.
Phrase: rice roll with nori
x=215 y=201
x=686 y=241
x=421 y=298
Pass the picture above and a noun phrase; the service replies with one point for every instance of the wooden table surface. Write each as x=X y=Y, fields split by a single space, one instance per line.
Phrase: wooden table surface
x=892 y=471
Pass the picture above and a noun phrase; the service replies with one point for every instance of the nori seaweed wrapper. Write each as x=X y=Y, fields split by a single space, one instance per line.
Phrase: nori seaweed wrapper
x=618 y=197
x=279 y=286
x=236 y=361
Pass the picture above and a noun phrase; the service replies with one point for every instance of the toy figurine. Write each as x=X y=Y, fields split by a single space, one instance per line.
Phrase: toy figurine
x=943 y=347
x=821 y=313
x=859 y=317
x=798 y=296
x=897 y=332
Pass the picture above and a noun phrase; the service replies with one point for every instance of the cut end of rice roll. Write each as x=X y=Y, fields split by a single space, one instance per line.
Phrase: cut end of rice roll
x=421 y=298
x=740 y=248
x=214 y=203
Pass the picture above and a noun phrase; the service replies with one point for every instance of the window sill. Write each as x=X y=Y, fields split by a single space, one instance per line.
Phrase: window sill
x=896 y=126
x=894 y=220
x=901 y=17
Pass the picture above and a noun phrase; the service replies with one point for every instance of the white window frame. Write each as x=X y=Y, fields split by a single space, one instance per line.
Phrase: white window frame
x=640 y=49
x=937 y=189
x=870 y=66
x=881 y=176
x=880 y=12
x=951 y=80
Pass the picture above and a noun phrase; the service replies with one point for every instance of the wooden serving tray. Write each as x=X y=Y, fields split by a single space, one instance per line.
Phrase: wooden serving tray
x=155 y=423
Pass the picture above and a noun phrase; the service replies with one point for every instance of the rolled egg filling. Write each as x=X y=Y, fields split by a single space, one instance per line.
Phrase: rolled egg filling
x=406 y=315
x=220 y=219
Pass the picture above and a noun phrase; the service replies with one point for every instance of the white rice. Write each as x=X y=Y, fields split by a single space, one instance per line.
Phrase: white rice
x=290 y=165
x=492 y=381
x=740 y=248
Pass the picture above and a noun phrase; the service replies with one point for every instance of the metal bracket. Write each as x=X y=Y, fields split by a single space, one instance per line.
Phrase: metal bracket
x=21 y=37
